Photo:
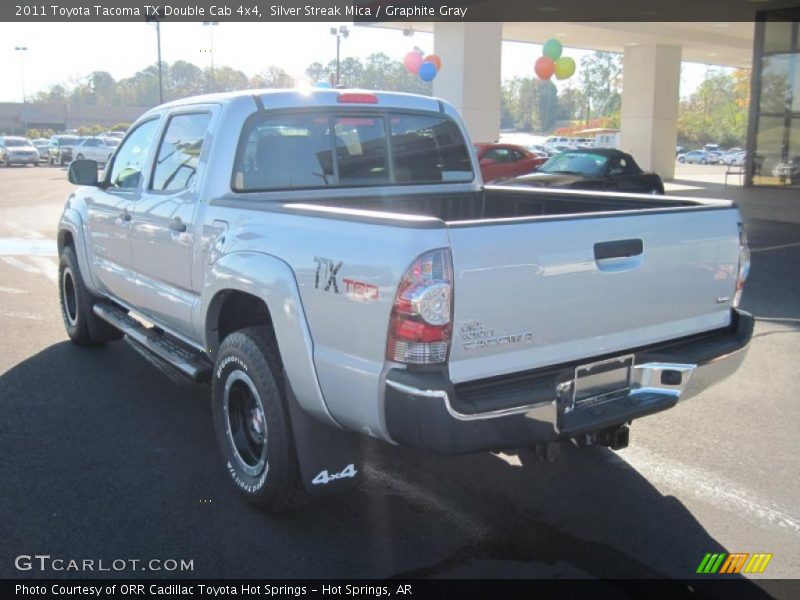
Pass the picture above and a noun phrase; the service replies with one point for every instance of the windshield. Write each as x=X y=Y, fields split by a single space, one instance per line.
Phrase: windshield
x=112 y=142
x=68 y=141
x=16 y=142
x=576 y=163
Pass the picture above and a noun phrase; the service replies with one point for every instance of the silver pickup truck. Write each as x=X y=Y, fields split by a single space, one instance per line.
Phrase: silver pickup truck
x=332 y=264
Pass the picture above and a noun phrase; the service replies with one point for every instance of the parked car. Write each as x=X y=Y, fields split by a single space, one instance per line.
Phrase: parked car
x=679 y=150
x=695 y=157
x=332 y=264
x=739 y=159
x=729 y=156
x=60 y=149
x=41 y=144
x=18 y=150
x=113 y=134
x=711 y=148
x=501 y=161
x=602 y=169
x=788 y=172
x=556 y=140
x=96 y=148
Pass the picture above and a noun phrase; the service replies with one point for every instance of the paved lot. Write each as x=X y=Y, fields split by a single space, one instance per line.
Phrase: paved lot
x=104 y=456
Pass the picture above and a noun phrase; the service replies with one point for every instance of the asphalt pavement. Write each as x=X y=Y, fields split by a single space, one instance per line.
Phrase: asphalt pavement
x=106 y=457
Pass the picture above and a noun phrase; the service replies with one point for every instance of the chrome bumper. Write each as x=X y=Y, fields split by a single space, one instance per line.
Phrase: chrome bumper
x=425 y=409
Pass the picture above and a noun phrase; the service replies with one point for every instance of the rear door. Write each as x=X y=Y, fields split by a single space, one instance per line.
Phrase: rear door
x=539 y=292
x=164 y=221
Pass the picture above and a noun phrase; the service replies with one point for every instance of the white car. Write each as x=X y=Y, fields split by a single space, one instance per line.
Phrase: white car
x=96 y=148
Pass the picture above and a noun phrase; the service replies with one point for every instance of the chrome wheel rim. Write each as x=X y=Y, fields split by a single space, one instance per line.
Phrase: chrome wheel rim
x=245 y=423
x=69 y=295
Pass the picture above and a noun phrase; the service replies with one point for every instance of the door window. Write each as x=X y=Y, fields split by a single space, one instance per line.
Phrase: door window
x=179 y=153
x=126 y=171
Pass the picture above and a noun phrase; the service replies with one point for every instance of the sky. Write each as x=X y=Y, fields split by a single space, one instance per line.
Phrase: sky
x=124 y=48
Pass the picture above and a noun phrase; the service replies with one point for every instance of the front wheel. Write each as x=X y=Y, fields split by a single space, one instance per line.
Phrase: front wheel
x=79 y=157
x=83 y=326
x=251 y=421
x=681 y=160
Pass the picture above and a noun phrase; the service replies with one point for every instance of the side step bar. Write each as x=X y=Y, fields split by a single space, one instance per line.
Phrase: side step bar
x=185 y=359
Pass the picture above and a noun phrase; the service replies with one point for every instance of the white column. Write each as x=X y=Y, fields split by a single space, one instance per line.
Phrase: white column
x=470 y=75
x=651 y=77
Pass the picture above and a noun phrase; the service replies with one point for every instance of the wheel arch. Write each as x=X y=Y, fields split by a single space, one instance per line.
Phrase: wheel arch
x=252 y=288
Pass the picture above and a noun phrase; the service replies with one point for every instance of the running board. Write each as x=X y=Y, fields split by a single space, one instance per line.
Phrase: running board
x=182 y=357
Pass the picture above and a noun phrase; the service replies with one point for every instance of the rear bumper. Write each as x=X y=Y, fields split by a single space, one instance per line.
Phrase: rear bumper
x=426 y=410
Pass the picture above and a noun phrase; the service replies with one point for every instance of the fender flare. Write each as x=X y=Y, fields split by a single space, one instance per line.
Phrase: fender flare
x=277 y=287
x=72 y=222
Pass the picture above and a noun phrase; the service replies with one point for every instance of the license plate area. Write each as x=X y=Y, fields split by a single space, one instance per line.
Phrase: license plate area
x=602 y=381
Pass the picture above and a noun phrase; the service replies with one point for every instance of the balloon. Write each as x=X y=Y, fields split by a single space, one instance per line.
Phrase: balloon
x=322 y=84
x=553 y=49
x=565 y=68
x=412 y=61
x=544 y=67
x=437 y=62
x=427 y=71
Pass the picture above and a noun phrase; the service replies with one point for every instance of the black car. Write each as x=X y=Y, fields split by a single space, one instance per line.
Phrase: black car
x=601 y=169
x=60 y=148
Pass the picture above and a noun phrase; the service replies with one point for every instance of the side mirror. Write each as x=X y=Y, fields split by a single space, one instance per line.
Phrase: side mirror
x=485 y=162
x=83 y=172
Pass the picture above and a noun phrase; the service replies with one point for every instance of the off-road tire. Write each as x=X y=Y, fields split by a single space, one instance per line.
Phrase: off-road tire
x=245 y=357
x=83 y=326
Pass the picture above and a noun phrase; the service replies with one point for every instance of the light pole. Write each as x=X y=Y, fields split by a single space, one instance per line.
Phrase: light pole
x=155 y=20
x=341 y=32
x=22 y=50
x=211 y=25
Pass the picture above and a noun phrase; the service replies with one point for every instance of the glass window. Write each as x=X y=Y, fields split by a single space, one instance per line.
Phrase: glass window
x=126 y=171
x=179 y=153
x=317 y=150
x=498 y=155
x=777 y=73
x=769 y=149
x=428 y=148
x=777 y=36
x=284 y=152
x=361 y=150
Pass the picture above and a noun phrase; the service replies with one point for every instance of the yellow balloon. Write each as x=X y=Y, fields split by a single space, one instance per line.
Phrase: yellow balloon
x=565 y=68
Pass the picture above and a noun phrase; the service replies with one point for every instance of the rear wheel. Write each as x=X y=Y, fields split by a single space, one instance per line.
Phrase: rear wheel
x=251 y=420
x=681 y=160
x=79 y=157
x=83 y=326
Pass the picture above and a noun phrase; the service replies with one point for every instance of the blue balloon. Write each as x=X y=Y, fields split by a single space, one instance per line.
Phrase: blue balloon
x=427 y=71
x=322 y=84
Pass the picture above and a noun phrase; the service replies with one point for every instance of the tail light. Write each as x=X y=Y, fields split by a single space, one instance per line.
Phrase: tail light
x=420 y=328
x=744 y=266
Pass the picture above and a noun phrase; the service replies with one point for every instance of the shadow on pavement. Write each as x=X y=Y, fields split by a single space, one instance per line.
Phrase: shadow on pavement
x=105 y=458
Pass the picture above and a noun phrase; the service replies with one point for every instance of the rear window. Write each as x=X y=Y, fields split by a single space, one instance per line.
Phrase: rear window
x=313 y=150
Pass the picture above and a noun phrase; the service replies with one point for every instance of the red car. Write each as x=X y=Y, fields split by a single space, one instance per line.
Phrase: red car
x=500 y=161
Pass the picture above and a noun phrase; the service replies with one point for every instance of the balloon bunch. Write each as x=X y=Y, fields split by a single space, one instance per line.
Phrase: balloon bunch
x=552 y=63
x=425 y=66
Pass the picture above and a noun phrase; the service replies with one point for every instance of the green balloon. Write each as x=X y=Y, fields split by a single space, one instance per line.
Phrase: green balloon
x=553 y=49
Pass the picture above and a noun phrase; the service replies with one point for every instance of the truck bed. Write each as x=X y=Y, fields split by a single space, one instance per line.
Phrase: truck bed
x=498 y=202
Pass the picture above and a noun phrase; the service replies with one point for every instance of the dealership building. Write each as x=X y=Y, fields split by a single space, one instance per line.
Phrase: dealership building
x=766 y=42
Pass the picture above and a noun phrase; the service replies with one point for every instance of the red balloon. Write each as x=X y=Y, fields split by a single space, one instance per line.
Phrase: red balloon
x=434 y=58
x=412 y=61
x=544 y=67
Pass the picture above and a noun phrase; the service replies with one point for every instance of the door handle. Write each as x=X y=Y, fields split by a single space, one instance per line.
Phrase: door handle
x=177 y=225
x=126 y=216
x=618 y=249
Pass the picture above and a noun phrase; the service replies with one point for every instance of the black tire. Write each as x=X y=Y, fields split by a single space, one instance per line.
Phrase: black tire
x=703 y=161
x=83 y=326
x=79 y=157
x=251 y=420
x=681 y=160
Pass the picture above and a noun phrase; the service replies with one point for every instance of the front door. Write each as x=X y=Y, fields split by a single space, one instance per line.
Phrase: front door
x=110 y=211
x=164 y=222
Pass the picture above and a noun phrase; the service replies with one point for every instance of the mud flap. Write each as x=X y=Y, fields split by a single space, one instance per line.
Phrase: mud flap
x=329 y=458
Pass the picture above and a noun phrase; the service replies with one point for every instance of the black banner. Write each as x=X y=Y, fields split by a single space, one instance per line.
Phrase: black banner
x=119 y=589
x=367 y=11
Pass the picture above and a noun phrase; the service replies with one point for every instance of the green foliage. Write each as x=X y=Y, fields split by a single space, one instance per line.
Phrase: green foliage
x=717 y=111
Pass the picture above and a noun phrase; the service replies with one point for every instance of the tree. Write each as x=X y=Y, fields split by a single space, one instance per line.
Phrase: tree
x=600 y=83
x=273 y=77
x=316 y=72
x=227 y=79
x=717 y=111
x=185 y=79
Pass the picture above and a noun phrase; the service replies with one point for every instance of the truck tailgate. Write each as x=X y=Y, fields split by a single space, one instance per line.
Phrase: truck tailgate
x=530 y=293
